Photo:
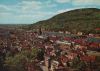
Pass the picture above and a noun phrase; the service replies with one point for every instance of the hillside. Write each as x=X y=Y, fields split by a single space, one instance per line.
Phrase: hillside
x=86 y=20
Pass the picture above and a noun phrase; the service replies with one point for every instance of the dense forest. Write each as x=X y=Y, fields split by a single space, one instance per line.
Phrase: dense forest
x=85 y=20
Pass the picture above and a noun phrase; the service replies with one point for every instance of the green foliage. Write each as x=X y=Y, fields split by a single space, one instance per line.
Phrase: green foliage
x=14 y=63
x=85 y=20
x=75 y=62
x=18 y=62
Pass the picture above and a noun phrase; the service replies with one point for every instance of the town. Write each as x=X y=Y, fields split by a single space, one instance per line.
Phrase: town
x=52 y=51
x=49 y=35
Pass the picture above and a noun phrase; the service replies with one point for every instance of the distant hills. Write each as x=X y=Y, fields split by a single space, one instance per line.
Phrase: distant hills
x=84 y=20
x=13 y=26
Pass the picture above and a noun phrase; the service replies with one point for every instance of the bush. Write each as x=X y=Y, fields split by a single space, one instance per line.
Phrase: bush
x=19 y=61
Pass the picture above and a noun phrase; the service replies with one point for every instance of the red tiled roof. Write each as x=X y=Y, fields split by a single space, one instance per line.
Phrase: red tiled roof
x=97 y=29
x=88 y=58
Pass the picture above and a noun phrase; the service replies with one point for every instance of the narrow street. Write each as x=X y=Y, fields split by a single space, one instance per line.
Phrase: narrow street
x=44 y=68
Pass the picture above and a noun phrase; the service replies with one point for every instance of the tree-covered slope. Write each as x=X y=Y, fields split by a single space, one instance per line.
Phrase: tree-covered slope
x=86 y=20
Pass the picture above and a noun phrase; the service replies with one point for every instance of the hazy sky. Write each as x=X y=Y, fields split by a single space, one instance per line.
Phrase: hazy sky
x=30 y=11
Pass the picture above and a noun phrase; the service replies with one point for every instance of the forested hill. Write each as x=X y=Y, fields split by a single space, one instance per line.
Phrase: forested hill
x=86 y=20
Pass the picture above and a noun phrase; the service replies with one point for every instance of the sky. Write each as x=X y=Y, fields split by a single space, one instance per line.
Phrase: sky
x=31 y=11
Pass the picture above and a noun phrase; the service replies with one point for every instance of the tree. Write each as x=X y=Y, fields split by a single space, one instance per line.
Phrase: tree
x=19 y=61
